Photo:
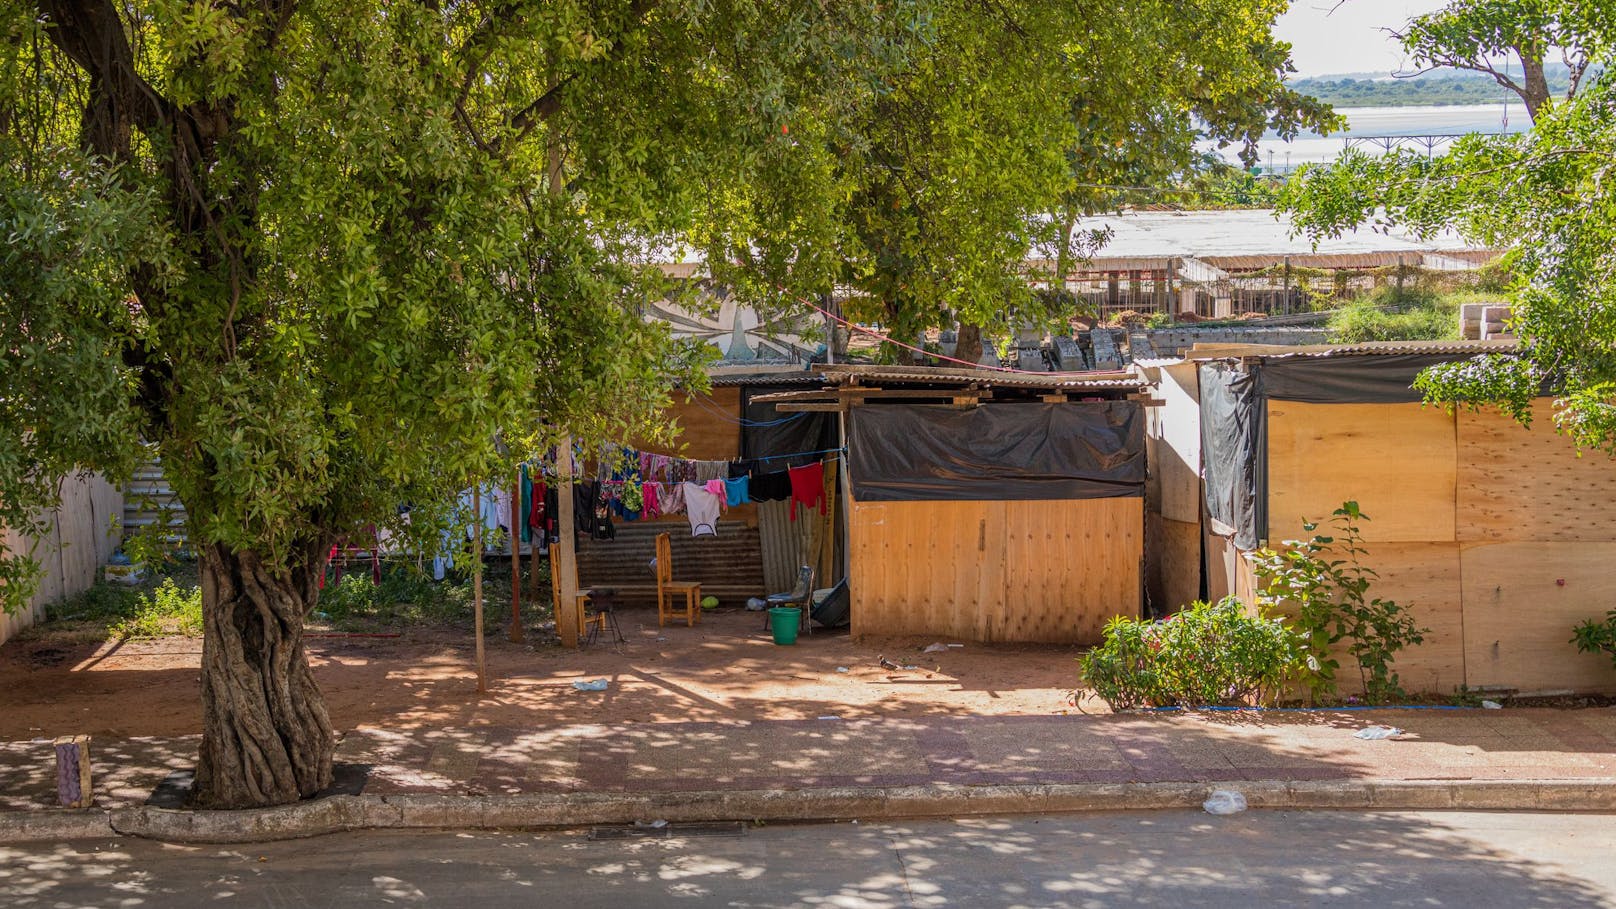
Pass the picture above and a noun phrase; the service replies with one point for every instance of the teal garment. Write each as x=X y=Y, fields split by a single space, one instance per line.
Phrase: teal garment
x=526 y=503
x=737 y=492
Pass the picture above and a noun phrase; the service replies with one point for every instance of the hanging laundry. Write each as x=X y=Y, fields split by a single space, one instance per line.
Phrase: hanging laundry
x=738 y=469
x=649 y=496
x=711 y=470
x=673 y=498
x=736 y=493
x=770 y=487
x=716 y=487
x=807 y=487
x=538 y=496
x=584 y=496
x=525 y=518
x=702 y=508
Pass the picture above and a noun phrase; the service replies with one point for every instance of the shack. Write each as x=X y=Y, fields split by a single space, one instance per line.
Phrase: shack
x=1498 y=536
x=988 y=505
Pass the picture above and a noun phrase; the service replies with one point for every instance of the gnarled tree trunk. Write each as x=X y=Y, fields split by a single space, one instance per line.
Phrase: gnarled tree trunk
x=266 y=737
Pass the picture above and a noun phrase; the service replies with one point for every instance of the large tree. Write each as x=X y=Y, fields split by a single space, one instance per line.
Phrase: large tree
x=1511 y=41
x=333 y=256
x=1548 y=199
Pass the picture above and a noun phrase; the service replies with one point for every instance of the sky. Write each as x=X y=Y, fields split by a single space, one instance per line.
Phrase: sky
x=1347 y=37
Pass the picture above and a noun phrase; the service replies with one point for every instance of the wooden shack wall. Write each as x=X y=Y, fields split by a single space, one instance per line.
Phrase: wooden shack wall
x=83 y=530
x=1044 y=571
x=1499 y=537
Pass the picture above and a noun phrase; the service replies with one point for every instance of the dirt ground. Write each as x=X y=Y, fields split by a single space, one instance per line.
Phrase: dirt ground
x=725 y=668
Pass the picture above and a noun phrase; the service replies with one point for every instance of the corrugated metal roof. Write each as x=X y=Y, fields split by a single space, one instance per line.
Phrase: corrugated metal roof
x=986 y=378
x=744 y=379
x=1372 y=348
x=1313 y=260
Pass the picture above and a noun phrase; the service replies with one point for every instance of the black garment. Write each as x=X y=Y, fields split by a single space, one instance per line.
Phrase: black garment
x=771 y=487
x=738 y=469
x=584 y=497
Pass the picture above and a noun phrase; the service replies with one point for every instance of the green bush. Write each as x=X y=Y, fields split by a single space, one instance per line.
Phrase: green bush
x=1324 y=578
x=167 y=610
x=404 y=597
x=1597 y=637
x=1386 y=315
x=1207 y=654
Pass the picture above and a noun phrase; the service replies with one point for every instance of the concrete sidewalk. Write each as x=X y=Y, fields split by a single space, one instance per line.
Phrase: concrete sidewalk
x=812 y=769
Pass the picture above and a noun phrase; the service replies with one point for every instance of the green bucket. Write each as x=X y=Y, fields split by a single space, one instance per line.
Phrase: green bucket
x=783 y=620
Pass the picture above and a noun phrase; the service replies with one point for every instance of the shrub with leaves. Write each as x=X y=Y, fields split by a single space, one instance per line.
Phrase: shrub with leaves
x=1207 y=654
x=168 y=610
x=1325 y=581
x=1597 y=637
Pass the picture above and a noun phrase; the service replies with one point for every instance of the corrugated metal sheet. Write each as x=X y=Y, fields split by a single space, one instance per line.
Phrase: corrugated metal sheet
x=785 y=545
x=148 y=500
x=729 y=566
x=1316 y=260
x=1372 y=348
x=985 y=378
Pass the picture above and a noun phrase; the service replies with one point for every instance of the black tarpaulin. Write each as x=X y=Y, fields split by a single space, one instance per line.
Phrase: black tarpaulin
x=1234 y=448
x=766 y=433
x=996 y=452
x=1369 y=379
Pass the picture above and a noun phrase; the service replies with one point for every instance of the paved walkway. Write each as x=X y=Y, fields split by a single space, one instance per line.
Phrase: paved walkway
x=1482 y=745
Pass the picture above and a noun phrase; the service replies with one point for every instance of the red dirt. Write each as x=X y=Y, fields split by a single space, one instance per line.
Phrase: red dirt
x=725 y=668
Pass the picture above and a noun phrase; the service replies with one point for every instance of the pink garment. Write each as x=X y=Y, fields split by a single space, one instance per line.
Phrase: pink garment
x=716 y=487
x=652 y=505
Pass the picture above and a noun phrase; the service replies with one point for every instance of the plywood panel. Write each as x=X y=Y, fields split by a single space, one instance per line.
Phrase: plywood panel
x=1398 y=461
x=995 y=571
x=709 y=426
x=1519 y=484
x=1520 y=603
x=1180 y=566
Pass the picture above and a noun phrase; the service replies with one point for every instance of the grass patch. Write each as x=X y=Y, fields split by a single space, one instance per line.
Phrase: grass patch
x=168 y=610
x=1415 y=315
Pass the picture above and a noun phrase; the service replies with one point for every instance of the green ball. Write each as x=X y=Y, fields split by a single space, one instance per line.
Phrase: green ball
x=709 y=602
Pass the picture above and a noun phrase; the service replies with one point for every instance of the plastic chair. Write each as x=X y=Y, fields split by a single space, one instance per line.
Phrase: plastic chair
x=801 y=596
x=667 y=587
x=589 y=623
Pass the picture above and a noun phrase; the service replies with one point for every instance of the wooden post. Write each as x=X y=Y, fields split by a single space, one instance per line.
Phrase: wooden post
x=73 y=788
x=566 y=551
x=477 y=587
x=827 y=552
x=515 y=631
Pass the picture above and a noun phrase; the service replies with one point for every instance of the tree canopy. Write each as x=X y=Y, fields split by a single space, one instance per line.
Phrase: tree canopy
x=333 y=257
x=1546 y=199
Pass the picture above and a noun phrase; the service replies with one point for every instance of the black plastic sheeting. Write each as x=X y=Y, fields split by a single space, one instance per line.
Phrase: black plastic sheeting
x=1234 y=450
x=1376 y=379
x=996 y=452
x=767 y=433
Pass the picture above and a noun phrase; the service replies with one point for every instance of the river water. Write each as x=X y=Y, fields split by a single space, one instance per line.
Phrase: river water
x=1365 y=122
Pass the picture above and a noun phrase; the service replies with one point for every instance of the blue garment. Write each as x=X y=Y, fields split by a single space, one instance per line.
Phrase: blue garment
x=737 y=491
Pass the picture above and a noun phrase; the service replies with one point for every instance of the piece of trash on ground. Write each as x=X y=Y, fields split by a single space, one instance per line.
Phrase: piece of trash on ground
x=1377 y=732
x=657 y=824
x=830 y=717
x=1492 y=705
x=935 y=648
x=911 y=668
x=841 y=668
x=1224 y=801
x=885 y=663
x=596 y=685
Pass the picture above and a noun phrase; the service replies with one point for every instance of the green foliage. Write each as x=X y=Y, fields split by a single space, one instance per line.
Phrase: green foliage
x=1207 y=654
x=168 y=610
x=405 y=597
x=1331 y=601
x=1428 y=91
x=1386 y=315
x=1545 y=197
x=1597 y=637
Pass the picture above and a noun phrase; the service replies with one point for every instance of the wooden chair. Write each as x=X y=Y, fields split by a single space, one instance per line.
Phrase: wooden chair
x=589 y=623
x=667 y=587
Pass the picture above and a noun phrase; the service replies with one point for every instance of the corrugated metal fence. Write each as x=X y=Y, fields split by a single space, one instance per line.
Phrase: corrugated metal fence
x=84 y=530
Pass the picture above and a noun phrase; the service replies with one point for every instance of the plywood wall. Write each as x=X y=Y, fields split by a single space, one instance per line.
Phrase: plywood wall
x=709 y=425
x=1501 y=538
x=995 y=571
x=1397 y=461
x=84 y=530
x=1530 y=484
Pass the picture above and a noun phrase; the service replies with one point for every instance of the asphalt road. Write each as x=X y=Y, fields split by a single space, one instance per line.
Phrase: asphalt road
x=1425 y=859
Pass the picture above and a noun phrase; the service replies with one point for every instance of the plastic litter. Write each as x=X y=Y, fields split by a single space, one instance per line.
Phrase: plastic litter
x=830 y=717
x=1377 y=732
x=841 y=668
x=596 y=685
x=1492 y=705
x=657 y=824
x=1224 y=801
x=757 y=604
x=935 y=648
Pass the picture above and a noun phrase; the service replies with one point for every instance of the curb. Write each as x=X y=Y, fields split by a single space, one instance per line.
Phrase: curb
x=570 y=810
